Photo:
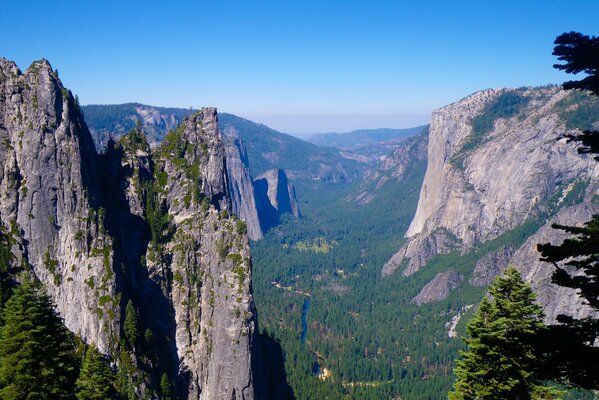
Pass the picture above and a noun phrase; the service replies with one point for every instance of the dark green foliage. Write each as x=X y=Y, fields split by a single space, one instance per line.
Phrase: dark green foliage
x=578 y=110
x=156 y=216
x=130 y=328
x=506 y=105
x=134 y=140
x=580 y=53
x=578 y=253
x=37 y=353
x=501 y=361
x=6 y=270
x=96 y=379
x=166 y=389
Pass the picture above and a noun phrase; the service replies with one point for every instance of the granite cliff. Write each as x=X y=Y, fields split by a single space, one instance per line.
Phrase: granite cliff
x=134 y=229
x=115 y=121
x=498 y=169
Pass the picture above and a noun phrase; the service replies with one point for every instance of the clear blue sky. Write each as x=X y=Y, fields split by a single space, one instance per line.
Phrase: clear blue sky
x=300 y=66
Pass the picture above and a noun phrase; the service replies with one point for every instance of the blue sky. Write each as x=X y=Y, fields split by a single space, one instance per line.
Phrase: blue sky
x=300 y=66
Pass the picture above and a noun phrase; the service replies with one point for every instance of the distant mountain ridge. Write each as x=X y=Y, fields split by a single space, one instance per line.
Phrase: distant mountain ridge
x=374 y=142
x=104 y=120
x=267 y=148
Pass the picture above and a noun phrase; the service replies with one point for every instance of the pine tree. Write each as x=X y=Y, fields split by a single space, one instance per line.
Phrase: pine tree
x=570 y=353
x=96 y=379
x=501 y=362
x=165 y=387
x=130 y=324
x=37 y=353
x=6 y=270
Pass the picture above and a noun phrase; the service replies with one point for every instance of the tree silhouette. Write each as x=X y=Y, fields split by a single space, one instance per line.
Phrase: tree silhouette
x=571 y=356
x=580 y=53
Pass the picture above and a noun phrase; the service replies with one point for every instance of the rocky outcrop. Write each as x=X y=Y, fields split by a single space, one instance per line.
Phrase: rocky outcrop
x=481 y=183
x=149 y=228
x=555 y=299
x=207 y=252
x=499 y=188
x=491 y=265
x=393 y=168
x=275 y=196
x=241 y=186
x=50 y=200
x=439 y=288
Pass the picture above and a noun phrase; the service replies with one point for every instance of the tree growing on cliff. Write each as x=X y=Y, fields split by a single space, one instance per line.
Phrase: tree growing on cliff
x=37 y=353
x=130 y=328
x=501 y=362
x=96 y=379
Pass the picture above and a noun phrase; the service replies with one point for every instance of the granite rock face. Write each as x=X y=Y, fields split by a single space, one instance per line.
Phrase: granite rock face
x=208 y=254
x=515 y=177
x=275 y=195
x=479 y=193
x=241 y=186
x=49 y=201
x=394 y=167
x=439 y=288
x=491 y=265
x=152 y=228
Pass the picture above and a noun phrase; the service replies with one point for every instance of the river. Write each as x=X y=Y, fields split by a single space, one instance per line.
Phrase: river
x=305 y=309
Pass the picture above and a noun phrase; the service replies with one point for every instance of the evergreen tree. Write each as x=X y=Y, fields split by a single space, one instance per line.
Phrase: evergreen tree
x=130 y=324
x=37 y=353
x=580 y=53
x=571 y=356
x=501 y=362
x=165 y=387
x=6 y=270
x=96 y=379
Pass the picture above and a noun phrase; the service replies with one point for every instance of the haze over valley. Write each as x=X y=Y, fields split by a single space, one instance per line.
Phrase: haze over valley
x=299 y=201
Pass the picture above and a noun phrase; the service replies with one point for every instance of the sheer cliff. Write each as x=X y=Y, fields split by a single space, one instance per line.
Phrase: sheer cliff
x=496 y=166
x=134 y=230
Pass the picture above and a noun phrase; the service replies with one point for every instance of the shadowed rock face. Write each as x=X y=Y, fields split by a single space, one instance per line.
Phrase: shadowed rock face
x=134 y=224
x=240 y=183
x=482 y=183
x=555 y=299
x=275 y=196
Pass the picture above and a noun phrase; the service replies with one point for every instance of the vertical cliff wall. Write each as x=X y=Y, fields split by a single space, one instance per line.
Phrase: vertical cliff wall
x=495 y=164
x=150 y=228
x=50 y=199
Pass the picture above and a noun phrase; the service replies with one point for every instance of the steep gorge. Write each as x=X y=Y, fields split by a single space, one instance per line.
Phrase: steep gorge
x=135 y=225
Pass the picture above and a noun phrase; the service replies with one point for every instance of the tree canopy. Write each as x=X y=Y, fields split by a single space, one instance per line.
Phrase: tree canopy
x=501 y=361
x=37 y=353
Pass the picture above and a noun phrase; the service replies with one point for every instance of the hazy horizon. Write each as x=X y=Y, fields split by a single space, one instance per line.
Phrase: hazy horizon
x=299 y=67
